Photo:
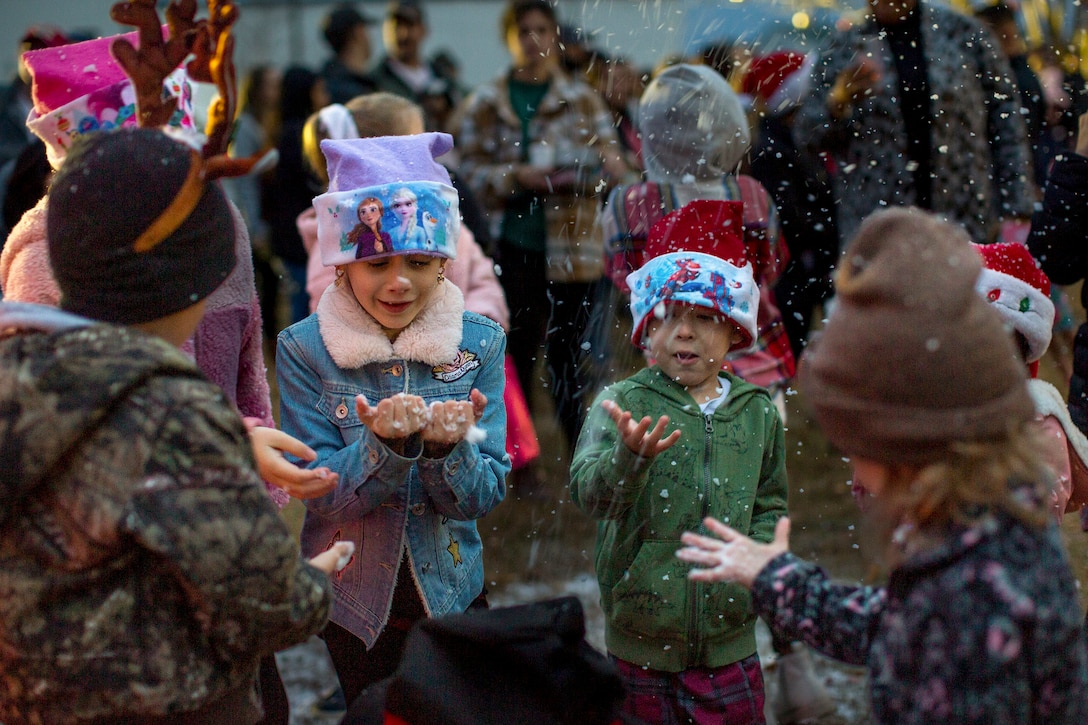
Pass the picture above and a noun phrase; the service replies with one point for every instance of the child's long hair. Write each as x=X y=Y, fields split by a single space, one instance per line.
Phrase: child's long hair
x=375 y=114
x=973 y=479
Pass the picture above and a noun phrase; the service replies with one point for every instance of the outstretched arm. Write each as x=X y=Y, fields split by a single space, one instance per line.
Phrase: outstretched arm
x=733 y=557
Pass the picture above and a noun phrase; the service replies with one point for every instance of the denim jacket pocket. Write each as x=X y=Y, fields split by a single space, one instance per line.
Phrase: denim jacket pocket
x=337 y=404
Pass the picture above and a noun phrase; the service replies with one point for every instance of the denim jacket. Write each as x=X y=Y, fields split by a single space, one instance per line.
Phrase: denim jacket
x=384 y=501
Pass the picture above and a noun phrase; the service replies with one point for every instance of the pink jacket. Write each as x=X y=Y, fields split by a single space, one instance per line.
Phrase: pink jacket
x=227 y=346
x=1065 y=451
x=473 y=272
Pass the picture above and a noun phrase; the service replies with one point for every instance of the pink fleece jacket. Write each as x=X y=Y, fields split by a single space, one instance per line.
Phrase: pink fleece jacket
x=473 y=272
x=227 y=346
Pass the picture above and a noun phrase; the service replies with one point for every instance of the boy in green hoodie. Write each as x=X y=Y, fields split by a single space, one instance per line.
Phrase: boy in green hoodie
x=687 y=651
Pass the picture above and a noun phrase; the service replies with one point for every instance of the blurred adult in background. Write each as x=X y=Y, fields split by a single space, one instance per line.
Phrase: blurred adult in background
x=15 y=105
x=294 y=185
x=538 y=148
x=620 y=84
x=918 y=107
x=347 y=33
x=404 y=71
x=256 y=129
x=800 y=185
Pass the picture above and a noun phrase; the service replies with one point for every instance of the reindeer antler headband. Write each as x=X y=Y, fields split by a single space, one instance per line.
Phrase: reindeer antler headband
x=212 y=45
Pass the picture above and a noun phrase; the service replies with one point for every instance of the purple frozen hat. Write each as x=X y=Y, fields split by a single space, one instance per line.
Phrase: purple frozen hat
x=387 y=195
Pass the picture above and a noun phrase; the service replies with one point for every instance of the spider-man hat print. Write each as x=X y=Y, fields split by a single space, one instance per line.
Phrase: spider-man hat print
x=387 y=196
x=695 y=255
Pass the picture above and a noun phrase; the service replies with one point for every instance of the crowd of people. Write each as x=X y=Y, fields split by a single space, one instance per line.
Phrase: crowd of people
x=665 y=252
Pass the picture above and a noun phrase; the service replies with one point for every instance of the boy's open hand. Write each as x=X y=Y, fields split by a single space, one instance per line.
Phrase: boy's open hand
x=639 y=437
x=734 y=557
x=397 y=416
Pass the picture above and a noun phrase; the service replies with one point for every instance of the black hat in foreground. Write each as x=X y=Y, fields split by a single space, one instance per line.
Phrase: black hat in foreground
x=135 y=230
x=509 y=666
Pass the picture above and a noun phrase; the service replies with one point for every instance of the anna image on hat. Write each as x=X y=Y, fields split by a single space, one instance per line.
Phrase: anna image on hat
x=367 y=237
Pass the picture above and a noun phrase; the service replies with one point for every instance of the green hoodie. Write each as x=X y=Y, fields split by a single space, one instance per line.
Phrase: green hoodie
x=729 y=465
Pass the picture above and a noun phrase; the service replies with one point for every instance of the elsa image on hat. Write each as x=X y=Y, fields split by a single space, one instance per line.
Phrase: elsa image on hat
x=408 y=232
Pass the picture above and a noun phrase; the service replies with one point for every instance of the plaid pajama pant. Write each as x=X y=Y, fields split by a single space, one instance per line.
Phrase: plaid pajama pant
x=730 y=695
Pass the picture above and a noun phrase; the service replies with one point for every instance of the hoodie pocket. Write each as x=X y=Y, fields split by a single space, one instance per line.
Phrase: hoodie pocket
x=651 y=596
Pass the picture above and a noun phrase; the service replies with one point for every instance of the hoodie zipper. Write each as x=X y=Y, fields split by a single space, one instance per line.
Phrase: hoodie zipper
x=696 y=591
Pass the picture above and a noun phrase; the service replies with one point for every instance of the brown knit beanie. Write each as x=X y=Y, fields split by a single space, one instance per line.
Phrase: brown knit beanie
x=912 y=357
x=135 y=231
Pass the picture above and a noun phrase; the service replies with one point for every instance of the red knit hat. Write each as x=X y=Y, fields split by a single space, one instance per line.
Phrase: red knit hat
x=695 y=255
x=711 y=227
x=778 y=79
x=1015 y=286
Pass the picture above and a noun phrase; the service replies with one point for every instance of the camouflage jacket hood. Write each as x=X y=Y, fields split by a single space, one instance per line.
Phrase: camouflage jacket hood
x=55 y=390
x=144 y=568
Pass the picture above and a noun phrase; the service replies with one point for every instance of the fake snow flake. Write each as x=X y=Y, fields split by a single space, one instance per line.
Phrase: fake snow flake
x=475 y=434
x=664 y=493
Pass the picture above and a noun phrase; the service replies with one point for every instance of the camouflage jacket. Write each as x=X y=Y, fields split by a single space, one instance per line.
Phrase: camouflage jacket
x=143 y=569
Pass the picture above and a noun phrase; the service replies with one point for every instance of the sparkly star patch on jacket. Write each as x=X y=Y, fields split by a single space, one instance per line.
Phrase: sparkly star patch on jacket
x=457 y=369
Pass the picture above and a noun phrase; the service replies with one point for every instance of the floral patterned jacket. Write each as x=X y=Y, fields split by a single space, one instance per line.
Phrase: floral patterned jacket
x=980 y=159
x=985 y=628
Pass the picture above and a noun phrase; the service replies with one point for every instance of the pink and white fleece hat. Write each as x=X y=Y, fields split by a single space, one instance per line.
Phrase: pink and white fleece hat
x=697 y=257
x=80 y=88
x=387 y=196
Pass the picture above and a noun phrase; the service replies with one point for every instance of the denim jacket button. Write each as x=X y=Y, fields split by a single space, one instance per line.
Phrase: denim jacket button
x=454 y=466
x=419 y=508
x=373 y=456
x=341 y=411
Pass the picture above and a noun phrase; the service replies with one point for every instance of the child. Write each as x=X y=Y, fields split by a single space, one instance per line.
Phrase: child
x=1020 y=292
x=914 y=378
x=383 y=114
x=228 y=344
x=690 y=308
x=145 y=571
x=694 y=135
x=1057 y=237
x=388 y=383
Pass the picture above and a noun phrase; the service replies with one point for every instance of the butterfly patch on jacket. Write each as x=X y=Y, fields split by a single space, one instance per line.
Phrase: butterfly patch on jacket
x=457 y=369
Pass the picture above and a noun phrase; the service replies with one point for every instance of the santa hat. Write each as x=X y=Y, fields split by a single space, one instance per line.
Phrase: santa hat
x=780 y=80
x=1013 y=284
x=384 y=168
x=695 y=255
x=79 y=88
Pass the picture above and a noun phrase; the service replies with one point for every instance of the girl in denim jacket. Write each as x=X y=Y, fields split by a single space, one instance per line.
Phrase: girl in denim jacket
x=399 y=390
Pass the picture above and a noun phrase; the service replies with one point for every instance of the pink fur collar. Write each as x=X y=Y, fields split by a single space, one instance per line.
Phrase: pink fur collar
x=354 y=338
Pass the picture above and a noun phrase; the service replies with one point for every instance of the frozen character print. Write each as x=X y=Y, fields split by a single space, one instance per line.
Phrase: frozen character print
x=367 y=237
x=408 y=234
